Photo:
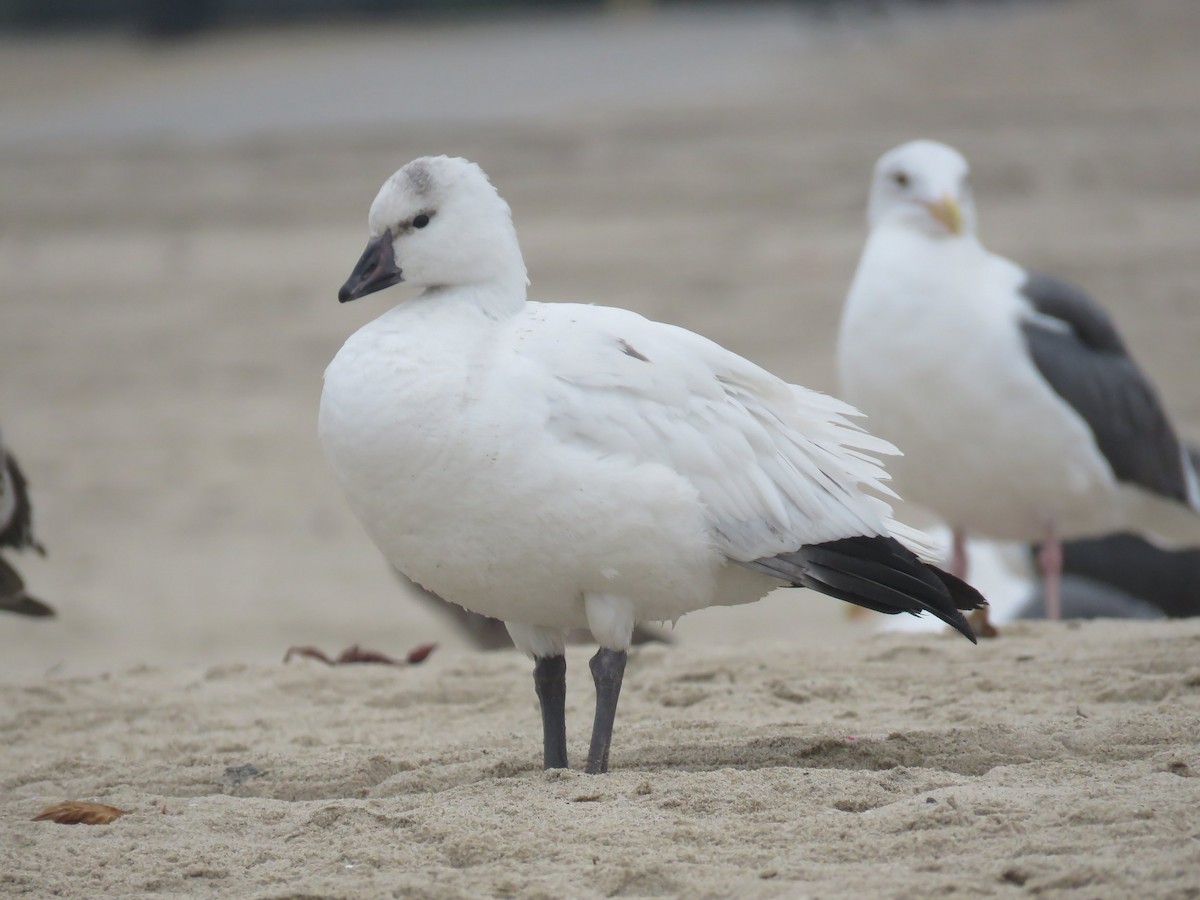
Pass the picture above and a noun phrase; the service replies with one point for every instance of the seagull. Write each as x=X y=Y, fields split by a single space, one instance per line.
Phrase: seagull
x=1020 y=413
x=16 y=531
x=560 y=466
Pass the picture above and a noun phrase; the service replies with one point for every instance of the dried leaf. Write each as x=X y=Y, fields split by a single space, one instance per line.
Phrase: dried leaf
x=357 y=654
x=420 y=653
x=310 y=652
x=77 y=812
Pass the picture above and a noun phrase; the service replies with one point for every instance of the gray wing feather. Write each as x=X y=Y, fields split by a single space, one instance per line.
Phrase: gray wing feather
x=1086 y=364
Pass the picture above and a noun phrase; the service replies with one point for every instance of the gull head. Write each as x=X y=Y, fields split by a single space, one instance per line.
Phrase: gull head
x=437 y=222
x=923 y=185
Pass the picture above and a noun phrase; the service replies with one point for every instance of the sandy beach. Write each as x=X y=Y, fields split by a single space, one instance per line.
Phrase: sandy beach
x=177 y=223
x=1060 y=761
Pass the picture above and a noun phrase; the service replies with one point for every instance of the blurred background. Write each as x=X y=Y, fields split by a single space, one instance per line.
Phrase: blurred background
x=185 y=185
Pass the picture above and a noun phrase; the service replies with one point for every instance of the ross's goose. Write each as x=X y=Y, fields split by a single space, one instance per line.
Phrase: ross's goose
x=564 y=466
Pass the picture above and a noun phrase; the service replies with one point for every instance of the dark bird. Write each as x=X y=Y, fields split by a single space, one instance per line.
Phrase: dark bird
x=16 y=531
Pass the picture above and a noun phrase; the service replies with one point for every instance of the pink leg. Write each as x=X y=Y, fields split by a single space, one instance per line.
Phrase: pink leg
x=1050 y=558
x=980 y=623
x=958 y=554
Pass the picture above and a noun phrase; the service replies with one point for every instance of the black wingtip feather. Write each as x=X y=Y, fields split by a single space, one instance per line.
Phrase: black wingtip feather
x=881 y=574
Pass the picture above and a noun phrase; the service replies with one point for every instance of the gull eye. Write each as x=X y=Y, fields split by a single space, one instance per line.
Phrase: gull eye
x=900 y=179
x=420 y=221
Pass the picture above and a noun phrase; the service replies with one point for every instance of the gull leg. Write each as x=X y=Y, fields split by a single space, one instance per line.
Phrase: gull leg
x=550 y=682
x=608 y=669
x=958 y=554
x=959 y=563
x=1050 y=558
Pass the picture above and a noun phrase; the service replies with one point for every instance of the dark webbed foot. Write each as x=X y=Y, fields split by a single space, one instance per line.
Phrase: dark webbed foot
x=608 y=668
x=550 y=681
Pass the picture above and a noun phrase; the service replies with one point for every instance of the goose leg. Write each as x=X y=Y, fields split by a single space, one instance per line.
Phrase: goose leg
x=608 y=669
x=545 y=647
x=550 y=682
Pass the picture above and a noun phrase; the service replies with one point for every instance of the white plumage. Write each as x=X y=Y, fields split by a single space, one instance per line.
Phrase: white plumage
x=562 y=466
x=520 y=463
x=1019 y=412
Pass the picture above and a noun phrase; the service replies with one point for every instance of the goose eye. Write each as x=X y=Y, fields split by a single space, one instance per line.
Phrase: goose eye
x=900 y=179
x=420 y=221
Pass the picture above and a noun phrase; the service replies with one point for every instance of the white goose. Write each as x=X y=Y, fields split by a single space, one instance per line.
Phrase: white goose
x=1019 y=411
x=561 y=466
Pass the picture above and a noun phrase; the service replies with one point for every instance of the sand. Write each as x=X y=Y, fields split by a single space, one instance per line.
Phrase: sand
x=1061 y=760
x=176 y=225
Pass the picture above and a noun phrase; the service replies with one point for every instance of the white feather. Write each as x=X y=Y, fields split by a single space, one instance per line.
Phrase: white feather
x=560 y=466
x=931 y=349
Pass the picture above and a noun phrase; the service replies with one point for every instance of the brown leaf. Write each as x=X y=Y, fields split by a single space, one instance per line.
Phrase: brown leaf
x=76 y=812
x=310 y=652
x=357 y=654
x=420 y=653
